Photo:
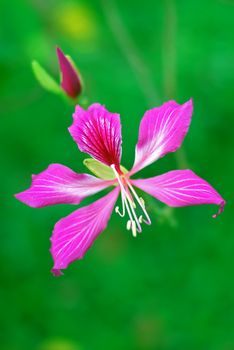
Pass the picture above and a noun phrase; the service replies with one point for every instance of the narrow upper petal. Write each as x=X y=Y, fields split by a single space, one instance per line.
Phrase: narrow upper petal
x=98 y=133
x=161 y=131
x=59 y=185
x=74 y=234
x=181 y=188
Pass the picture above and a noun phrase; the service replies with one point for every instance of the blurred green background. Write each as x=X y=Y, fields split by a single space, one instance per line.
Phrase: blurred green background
x=172 y=288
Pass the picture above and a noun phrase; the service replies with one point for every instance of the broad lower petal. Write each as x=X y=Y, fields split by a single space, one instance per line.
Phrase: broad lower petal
x=74 y=234
x=181 y=188
x=98 y=133
x=162 y=130
x=60 y=185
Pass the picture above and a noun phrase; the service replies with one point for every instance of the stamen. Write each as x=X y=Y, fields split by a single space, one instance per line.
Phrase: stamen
x=118 y=212
x=134 y=222
x=129 y=196
x=123 y=207
x=134 y=231
x=142 y=201
x=127 y=203
x=139 y=200
x=129 y=225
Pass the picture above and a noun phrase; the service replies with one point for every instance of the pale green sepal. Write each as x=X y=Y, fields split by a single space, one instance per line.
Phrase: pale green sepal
x=123 y=169
x=46 y=81
x=101 y=170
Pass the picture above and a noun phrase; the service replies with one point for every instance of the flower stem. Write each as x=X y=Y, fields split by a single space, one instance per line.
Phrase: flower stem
x=130 y=51
x=169 y=64
x=169 y=49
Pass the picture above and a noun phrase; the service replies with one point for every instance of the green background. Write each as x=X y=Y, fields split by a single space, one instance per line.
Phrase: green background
x=172 y=287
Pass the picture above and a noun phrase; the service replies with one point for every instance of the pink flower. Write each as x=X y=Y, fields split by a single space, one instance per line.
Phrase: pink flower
x=98 y=133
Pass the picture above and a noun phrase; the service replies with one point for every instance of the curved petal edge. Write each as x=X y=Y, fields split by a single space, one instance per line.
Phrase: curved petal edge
x=60 y=185
x=74 y=235
x=162 y=130
x=98 y=133
x=181 y=188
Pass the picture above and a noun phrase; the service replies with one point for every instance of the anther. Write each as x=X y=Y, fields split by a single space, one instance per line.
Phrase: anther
x=134 y=232
x=142 y=201
x=140 y=219
x=129 y=225
x=118 y=212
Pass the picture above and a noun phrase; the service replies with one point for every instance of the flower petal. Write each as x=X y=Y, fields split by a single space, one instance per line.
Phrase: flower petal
x=181 y=188
x=74 y=234
x=162 y=130
x=98 y=133
x=71 y=81
x=59 y=185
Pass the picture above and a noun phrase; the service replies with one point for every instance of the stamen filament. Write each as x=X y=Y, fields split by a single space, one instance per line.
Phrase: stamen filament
x=125 y=201
x=134 y=223
x=142 y=205
x=123 y=207
x=135 y=216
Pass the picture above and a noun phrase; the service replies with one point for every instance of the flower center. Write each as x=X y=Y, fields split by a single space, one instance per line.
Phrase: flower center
x=131 y=203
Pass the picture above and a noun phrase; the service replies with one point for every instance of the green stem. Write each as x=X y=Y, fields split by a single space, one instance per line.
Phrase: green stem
x=169 y=64
x=130 y=51
x=169 y=49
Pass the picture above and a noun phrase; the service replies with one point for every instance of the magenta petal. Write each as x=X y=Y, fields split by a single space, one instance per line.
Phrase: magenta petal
x=59 y=185
x=181 y=188
x=74 y=234
x=71 y=82
x=161 y=131
x=98 y=133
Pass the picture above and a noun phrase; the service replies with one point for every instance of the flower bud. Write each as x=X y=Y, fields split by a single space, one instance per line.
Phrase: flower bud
x=71 y=81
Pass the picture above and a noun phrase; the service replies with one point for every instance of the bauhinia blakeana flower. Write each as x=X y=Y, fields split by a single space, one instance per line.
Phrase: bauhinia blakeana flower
x=98 y=133
x=71 y=82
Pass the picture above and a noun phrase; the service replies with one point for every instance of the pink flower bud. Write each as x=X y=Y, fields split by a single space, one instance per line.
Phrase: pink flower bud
x=71 y=81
